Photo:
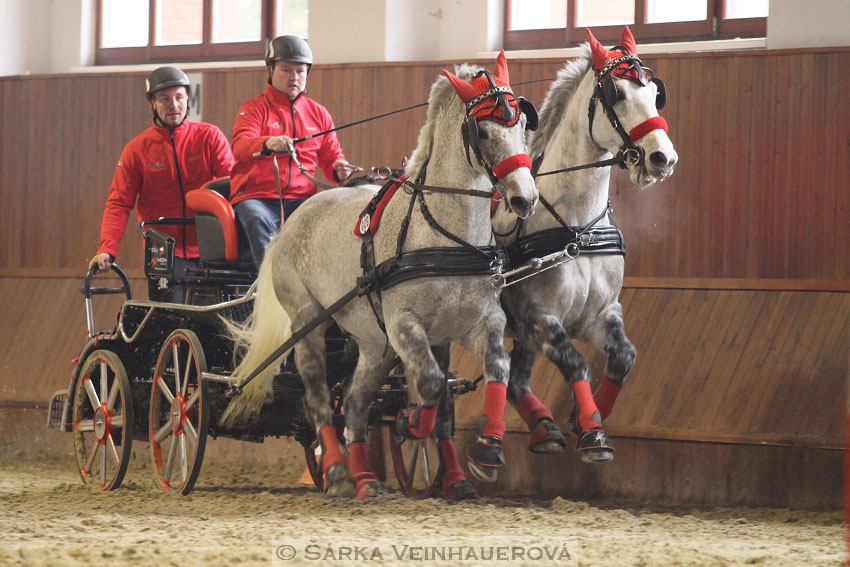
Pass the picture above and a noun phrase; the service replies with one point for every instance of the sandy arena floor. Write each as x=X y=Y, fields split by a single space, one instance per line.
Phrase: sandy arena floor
x=241 y=517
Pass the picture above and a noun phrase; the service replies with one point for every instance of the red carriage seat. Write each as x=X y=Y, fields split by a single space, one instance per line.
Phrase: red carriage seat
x=215 y=222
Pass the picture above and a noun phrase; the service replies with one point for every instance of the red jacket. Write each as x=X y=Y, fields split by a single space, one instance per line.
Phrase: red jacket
x=145 y=178
x=272 y=114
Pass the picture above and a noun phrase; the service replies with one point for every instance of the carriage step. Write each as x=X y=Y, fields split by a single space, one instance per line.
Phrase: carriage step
x=56 y=411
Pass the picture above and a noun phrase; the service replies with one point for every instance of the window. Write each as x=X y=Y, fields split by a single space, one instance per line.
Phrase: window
x=537 y=24
x=151 y=31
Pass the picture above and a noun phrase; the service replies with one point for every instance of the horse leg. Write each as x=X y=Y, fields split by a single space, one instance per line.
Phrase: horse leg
x=310 y=361
x=545 y=435
x=486 y=455
x=371 y=372
x=453 y=483
x=537 y=327
x=608 y=334
x=410 y=341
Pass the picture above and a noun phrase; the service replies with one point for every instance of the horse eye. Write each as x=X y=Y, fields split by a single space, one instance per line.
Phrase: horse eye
x=483 y=135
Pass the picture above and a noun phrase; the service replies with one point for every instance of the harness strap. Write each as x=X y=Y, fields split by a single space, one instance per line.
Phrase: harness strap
x=445 y=261
x=432 y=222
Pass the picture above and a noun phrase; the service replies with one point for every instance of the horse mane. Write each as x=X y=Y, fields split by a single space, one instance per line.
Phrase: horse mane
x=441 y=97
x=558 y=99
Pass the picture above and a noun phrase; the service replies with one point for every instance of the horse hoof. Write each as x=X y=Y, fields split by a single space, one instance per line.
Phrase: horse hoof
x=547 y=438
x=595 y=446
x=339 y=482
x=484 y=459
x=371 y=489
x=595 y=456
x=461 y=490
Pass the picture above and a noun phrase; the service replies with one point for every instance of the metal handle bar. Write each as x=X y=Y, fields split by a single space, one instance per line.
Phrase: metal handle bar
x=88 y=291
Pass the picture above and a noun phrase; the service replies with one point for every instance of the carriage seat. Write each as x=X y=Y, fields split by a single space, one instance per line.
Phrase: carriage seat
x=215 y=222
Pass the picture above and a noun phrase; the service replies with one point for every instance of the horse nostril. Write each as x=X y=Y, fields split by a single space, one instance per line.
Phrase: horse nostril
x=520 y=206
x=658 y=159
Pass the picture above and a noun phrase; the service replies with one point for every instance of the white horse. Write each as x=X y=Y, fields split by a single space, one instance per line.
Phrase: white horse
x=603 y=103
x=473 y=139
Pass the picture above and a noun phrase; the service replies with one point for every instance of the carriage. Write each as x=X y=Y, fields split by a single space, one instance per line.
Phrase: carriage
x=161 y=375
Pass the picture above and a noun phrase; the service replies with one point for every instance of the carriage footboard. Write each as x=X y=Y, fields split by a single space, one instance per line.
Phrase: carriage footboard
x=57 y=413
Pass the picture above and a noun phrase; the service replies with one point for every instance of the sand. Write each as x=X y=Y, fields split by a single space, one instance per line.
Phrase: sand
x=238 y=516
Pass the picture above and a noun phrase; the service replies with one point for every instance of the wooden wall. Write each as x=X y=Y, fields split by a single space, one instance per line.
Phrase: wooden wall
x=737 y=274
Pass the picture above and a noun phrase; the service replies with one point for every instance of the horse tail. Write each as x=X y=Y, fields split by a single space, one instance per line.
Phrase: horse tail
x=263 y=332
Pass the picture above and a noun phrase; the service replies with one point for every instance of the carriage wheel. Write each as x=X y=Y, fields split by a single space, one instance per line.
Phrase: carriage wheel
x=179 y=412
x=417 y=464
x=103 y=420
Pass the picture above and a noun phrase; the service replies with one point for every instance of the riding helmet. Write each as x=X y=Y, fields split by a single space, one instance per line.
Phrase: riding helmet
x=163 y=78
x=288 y=48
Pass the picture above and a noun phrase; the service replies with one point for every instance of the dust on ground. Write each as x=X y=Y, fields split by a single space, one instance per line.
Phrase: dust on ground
x=238 y=516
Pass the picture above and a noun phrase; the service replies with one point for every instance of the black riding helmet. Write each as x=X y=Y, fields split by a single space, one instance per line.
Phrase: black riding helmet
x=163 y=78
x=288 y=48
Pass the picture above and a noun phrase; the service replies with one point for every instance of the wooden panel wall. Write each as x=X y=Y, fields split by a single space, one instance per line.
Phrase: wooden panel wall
x=760 y=190
x=716 y=366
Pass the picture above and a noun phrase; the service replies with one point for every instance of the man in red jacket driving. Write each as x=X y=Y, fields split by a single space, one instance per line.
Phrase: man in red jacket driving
x=156 y=170
x=271 y=121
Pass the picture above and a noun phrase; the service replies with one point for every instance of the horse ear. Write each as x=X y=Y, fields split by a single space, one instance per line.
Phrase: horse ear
x=627 y=40
x=597 y=51
x=502 y=68
x=464 y=90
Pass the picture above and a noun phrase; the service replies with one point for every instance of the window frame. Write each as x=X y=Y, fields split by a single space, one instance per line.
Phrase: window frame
x=204 y=51
x=714 y=26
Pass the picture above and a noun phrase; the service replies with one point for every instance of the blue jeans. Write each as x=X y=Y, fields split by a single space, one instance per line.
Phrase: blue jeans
x=260 y=219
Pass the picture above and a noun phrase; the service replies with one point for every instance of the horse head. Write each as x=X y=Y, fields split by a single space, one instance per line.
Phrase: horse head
x=494 y=130
x=629 y=95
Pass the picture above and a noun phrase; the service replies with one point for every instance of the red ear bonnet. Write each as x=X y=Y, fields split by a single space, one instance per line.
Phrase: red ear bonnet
x=627 y=40
x=485 y=108
x=625 y=70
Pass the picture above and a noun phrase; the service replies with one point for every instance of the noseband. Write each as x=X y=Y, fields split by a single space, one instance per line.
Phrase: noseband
x=605 y=91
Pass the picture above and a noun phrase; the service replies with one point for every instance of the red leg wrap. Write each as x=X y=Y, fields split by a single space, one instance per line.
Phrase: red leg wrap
x=532 y=410
x=427 y=420
x=358 y=463
x=453 y=471
x=494 y=410
x=588 y=417
x=331 y=453
x=605 y=397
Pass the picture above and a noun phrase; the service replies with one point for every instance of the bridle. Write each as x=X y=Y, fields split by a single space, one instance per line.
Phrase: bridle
x=605 y=91
x=505 y=110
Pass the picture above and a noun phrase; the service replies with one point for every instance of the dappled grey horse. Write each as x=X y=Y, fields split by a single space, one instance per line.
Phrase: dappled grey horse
x=430 y=264
x=603 y=103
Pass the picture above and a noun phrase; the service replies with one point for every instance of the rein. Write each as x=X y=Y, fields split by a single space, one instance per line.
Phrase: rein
x=385 y=114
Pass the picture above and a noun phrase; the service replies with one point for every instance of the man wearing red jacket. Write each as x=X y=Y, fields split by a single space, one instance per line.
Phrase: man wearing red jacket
x=271 y=121
x=156 y=170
